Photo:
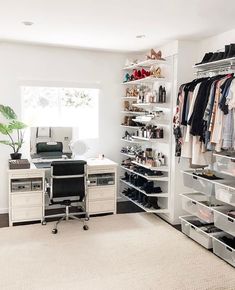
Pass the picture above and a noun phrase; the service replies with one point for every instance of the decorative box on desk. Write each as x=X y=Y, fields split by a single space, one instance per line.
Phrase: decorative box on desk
x=19 y=164
x=102 y=186
x=26 y=195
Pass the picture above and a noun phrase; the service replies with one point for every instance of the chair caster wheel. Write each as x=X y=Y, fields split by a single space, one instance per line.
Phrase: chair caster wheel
x=85 y=227
x=54 y=231
x=44 y=223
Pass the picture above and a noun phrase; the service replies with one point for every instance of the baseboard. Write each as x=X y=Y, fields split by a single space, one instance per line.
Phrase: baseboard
x=4 y=210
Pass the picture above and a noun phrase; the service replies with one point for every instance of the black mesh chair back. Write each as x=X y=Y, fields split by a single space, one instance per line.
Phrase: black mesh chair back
x=68 y=179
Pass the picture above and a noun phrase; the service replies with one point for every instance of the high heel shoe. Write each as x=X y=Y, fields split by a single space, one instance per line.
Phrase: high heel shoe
x=155 y=72
x=155 y=55
x=127 y=78
x=145 y=73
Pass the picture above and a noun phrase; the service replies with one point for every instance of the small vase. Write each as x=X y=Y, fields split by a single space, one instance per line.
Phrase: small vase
x=15 y=156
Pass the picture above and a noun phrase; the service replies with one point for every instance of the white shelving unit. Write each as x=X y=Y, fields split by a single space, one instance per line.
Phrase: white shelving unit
x=211 y=201
x=160 y=145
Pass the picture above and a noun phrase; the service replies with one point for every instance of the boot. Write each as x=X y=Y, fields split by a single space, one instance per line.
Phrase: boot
x=206 y=58
x=226 y=50
x=231 y=52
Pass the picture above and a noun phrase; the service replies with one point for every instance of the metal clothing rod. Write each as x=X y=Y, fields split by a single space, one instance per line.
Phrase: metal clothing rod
x=217 y=69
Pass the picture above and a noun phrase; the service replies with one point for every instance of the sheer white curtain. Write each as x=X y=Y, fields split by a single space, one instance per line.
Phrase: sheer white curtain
x=56 y=106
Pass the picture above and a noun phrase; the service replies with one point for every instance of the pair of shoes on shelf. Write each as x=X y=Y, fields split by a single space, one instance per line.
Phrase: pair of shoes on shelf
x=156 y=72
x=155 y=55
x=229 y=51
x=132 y=92
x=136 y=75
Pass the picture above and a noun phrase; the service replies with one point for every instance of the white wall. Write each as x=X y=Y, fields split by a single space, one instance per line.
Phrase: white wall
x=61 y=66
x=215 y=43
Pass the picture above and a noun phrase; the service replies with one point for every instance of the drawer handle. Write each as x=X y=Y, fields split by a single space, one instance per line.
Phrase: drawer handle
x=194 y=177
x=194 y=202
x=230 y=250
x=230 y=220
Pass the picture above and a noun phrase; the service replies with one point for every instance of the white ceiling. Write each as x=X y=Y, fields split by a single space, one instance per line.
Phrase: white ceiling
x=114 y=24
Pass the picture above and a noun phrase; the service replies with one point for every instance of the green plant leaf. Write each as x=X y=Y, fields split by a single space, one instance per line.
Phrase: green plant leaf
x=5 y=142
x=8 y=112
x=5 y=129
x=16 y=125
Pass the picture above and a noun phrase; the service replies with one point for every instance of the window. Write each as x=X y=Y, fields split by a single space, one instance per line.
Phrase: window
x=55 y=106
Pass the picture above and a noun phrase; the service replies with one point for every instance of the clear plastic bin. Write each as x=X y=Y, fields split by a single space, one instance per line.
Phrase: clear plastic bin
x=193 y=204
x=223 y=251
x=225 y=192
x=225 y=164
x=199 y=184
x=223 y=221
x=196 y=233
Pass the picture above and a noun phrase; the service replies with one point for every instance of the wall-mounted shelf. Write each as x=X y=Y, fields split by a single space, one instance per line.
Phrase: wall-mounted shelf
x=150 y=178
x=216 y=64
x=131 y=141
x=149 y=210
x=146 y=63
x=130 y=127
x=149 y=79
x=155 y=105
x=160 y=168
x=142 y=191
x=134 y=113
x=161 y=140
x=127 y=155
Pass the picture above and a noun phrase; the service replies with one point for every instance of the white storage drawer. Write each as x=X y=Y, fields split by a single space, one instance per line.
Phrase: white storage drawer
x=195 y=232
x=224 y=251
x=25 y=200
x=101 y=206
x=199 y=184
x=225 y=192
x=197 y=204
x=223 y=221
x=225 y=165
x=101 y=193
x=24 y=214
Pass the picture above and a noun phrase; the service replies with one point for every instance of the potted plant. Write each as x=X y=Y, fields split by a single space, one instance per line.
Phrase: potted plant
x=13 y=130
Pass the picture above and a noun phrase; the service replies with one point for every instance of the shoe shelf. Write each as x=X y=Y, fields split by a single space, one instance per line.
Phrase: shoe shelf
x=149 y=79
x=160 y=140
x=142 y=191
x=149 y=210
x=127 y=155
x=216 y=64
x=152 y=121
x=146 y=63
x=131 y=141
x=149 y=178
x=160 y=168
x=155 y=105
x=134 y=113
x=130 y=127
x=129 y=98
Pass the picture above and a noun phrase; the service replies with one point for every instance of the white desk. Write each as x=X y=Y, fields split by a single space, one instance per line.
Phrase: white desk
x=28 y=203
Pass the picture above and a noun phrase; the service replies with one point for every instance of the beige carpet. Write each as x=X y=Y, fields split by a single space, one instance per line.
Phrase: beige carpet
x=129 y=251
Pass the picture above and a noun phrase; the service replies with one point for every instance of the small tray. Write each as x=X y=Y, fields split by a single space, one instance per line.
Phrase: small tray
x=19 y=164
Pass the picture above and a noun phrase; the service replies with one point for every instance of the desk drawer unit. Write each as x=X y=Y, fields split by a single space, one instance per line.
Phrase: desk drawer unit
x=24 y=214
x=101 y=206
x=24 y=200
x=101 y=193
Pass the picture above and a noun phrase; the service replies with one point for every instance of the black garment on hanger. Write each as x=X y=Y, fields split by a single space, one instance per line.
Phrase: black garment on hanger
x=189 y=87
x=224 y=89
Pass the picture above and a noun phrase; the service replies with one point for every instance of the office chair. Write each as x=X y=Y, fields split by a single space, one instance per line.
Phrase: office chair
x=69 y=186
